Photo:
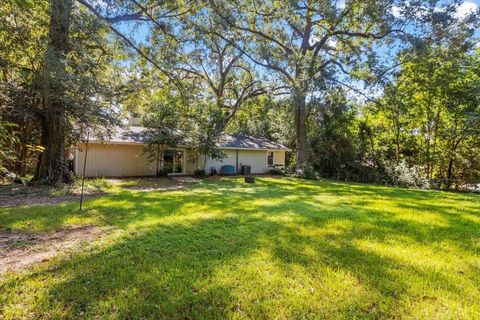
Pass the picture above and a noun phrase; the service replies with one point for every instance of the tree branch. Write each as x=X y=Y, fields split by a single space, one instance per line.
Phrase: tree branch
x=366 y=35
x=152 y=19
x=249 y=56
x=127 y=41
x=358 y=92
x=253 y=31
x=137 y=16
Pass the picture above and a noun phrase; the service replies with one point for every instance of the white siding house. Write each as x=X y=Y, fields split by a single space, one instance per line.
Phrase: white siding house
x=122 y=156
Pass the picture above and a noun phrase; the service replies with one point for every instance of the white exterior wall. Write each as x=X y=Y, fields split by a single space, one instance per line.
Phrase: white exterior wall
x=257 y=159
x=228 y=160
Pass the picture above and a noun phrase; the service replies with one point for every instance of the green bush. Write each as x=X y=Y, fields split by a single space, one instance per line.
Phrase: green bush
x=200 y=174
x=277 y=170
x=403 y=175
x=306 y=171
x=162 y=173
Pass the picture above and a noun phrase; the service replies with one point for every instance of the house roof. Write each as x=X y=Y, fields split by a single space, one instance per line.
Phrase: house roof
x=133 y=135
x=239 y=141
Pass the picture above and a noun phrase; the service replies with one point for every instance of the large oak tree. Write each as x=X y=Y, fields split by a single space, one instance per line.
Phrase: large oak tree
x=304 y=43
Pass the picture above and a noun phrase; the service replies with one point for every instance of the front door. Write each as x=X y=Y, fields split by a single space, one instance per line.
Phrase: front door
x=173 y=161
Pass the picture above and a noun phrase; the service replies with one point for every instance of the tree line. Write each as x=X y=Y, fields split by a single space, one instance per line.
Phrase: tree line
x=384 y=91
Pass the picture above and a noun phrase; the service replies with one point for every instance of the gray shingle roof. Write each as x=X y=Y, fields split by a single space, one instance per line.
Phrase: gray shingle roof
x=238 y=141
x=133 y=134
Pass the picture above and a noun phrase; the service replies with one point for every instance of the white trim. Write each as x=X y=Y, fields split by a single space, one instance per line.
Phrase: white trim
x=109 y=142
x=254 y=149
x=185 y=147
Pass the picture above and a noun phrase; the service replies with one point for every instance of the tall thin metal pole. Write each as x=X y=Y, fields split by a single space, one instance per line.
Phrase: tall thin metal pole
x=84 y=165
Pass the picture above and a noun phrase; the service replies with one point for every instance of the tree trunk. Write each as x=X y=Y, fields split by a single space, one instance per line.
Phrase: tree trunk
x=397 y=138
x=450 y=162
x=300 y=126
x=52 y=167
x=42 y=163
x=427 y=157
x=23 y=155
x=205 y=162
x=158 y=160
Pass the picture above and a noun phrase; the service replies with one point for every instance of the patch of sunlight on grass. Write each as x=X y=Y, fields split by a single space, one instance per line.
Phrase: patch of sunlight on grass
x=80 y=220
x=472 y=218
x=429 y=257
x=287 y=218
x=427 y=218
x=336 y=227
x=267 y=202
x=241 y=190
x=400 y=211
x=270 y=286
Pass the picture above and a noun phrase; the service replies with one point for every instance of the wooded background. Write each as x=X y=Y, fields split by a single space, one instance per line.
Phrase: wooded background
x=373 y=91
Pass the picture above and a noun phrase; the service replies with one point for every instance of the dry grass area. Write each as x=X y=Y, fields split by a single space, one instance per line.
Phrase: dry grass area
x=19 y=195
x=155 y=184
x=19 y=250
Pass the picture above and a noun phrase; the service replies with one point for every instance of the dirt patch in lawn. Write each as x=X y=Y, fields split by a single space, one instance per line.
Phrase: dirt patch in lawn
x=20 y=250
x=21 y=196
x=34 y=200
x=156 y=184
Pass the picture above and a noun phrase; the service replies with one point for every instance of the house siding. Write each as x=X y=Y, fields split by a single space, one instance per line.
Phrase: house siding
x=229 y=159
x=279 y=157
x=113 y=160
x=257 y=159
x=127 y=160
x=192 y=164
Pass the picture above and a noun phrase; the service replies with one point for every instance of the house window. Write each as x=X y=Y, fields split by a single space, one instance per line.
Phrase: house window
x=173 y=161
x=270 y=158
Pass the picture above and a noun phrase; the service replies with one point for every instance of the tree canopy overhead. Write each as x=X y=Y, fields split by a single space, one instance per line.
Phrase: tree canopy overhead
x=304 y=43
x=347 y=84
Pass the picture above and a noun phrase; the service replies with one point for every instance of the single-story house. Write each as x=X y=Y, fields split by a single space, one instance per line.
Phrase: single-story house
x=123 y=156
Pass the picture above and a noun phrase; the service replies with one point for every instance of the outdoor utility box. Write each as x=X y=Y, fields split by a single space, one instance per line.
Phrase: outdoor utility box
x=249 y=179
x=246 y=170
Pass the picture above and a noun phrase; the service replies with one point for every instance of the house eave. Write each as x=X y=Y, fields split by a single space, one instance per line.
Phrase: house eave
x=183 y=146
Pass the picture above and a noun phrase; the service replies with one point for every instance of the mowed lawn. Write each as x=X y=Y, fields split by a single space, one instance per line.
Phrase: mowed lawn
x=281 y=248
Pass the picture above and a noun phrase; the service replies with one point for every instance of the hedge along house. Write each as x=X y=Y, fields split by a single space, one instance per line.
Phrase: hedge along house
x=123 y=156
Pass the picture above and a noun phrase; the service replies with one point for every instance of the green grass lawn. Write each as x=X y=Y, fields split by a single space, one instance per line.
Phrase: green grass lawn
x=281 y=248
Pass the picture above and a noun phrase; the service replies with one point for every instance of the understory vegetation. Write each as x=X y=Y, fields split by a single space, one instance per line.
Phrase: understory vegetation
x=280 y=248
